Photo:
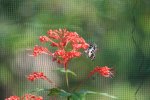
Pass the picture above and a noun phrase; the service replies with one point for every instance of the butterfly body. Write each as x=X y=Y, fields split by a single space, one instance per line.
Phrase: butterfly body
x=91 y=51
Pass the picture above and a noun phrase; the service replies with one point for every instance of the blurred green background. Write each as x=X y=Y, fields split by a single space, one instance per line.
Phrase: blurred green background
x=120 y=28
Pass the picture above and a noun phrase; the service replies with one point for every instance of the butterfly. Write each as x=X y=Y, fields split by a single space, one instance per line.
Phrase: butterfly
x=91 y=51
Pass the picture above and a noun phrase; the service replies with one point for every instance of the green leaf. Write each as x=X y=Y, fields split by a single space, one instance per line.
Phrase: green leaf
x=54 y=91
x=83 y=93
x=77 y=96
x=58 y=92
x=39 y=90
x=107 y=95
x=66 y=71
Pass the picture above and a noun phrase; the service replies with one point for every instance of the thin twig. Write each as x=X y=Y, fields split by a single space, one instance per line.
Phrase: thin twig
x=138 y=48
x=140 y=85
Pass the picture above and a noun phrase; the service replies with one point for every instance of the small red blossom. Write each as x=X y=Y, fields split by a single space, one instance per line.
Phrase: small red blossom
x=59 y=53
x=66 y=37
x=31 y=97
x=73 y=54
x=104 y=71
x=85 y=46
x=40 y=75
x=13 y=98
x=65 y=56
x=39 y=50
x=44 y=39
x=53 y=34
x=77 y=46
x=36 y=75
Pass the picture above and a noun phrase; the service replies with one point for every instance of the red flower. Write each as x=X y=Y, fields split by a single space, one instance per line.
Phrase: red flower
x=25 y=97
x=39 y=50
x=85 y=46
x=68 y=45
x=73 y=54
x=13 y=98
x=53 y=34
x=104 y=71
x=44 y=39
x=65 y=56
x=59 y=53
x=77 y=46
x=39 y=75
x=36 y=75
x=31 y=97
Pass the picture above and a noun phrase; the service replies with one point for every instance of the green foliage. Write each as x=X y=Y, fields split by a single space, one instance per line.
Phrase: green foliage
x=81 y=95
x=77 y=95
x=38 y=90
x=62 y=70
x=58 y=92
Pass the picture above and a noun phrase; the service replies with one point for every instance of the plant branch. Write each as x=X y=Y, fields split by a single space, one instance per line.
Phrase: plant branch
x=67 y=80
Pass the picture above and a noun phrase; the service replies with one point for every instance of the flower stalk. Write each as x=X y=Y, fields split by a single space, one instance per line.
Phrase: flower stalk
x=67 y=81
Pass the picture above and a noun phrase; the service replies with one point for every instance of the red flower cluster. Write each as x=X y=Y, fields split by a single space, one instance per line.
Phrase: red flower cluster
x=36 y=75
x=39 y=75
x=13 y=98
x=68 y=45
x=31 y=97
x=104 y=71
x=39 y=50
x=25 y=97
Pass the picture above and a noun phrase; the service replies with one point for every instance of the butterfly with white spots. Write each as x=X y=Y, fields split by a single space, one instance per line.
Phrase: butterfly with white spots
x=91 y=51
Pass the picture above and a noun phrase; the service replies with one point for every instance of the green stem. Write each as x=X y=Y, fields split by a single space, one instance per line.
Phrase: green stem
x=67 y=81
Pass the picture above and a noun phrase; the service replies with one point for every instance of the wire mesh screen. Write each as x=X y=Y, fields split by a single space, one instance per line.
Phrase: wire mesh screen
x=119 y=29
